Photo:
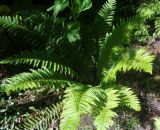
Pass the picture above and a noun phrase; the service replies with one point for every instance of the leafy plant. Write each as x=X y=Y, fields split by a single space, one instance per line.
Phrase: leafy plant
x=83 y=70
x=149 y=29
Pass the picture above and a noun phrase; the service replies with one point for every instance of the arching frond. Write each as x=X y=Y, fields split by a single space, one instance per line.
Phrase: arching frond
x=17 y=26
x=138 y=60
x=44 y=119
x=34 y=79
x=71 y=110
x=79 y=100
x=39 y=59
x=116 y=95
x=104 y=118
x=107 y=11
x=120 y=35
x=12 y=23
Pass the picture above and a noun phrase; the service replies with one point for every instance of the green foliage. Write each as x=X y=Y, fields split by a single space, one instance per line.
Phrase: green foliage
x=129 y=99
x=59 y=5
x=76 y=6
x=157 y=123
x=130 y=60
x=39 y=59
x=83 y=100
x=105 y=115
x=104 y=119
x=149 y=8
x=37 y=78
x=8 y=121
x=157 y=26
x=81 y=67
x=43 y=119
x=79 y=100
x=142 y=34
x=107 y=11
x=122 y=33
x=149 y=29
x=17 y=26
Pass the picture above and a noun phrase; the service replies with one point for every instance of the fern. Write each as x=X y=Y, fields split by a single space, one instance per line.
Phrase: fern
x=115 y=97
x=91 y=94
x=39 y=59
x=107 y=11
x=138 y=60
x=149 y=9
x=35 y=79
x=18 y=27
x=104 y=19
x=128 y=98
x=79 y=100
x=105 y=119
x=82 y=100
x=10 y=23
x=119 y=36
x=44 y=119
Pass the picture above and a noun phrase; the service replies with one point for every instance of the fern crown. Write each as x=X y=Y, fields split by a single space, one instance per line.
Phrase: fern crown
x=87 y=73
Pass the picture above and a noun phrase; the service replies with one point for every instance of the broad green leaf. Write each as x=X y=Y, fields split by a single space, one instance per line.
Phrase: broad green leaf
x=80 y=5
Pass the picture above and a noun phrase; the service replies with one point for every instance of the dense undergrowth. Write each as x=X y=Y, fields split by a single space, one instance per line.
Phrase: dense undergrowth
x=80 y=65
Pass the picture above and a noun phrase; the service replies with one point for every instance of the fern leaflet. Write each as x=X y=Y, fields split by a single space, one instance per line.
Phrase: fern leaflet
x=32 y=80
x=44 y=119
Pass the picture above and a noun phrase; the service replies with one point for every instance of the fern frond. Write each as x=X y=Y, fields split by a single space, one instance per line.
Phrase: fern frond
x=80 y=99
x=116 y=96
x=18 y=27
x=128 y=98
x=36 y=18
x=119 y=36
x=12 y=23
x=138 y=60
x=71 y=112
x=104 y=119
x=112 y=98
x=39 y=59
x=44 y=119
x=34 y=79
x=107 y=11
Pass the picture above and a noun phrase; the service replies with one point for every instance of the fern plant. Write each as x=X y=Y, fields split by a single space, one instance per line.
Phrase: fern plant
x=84 y=68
